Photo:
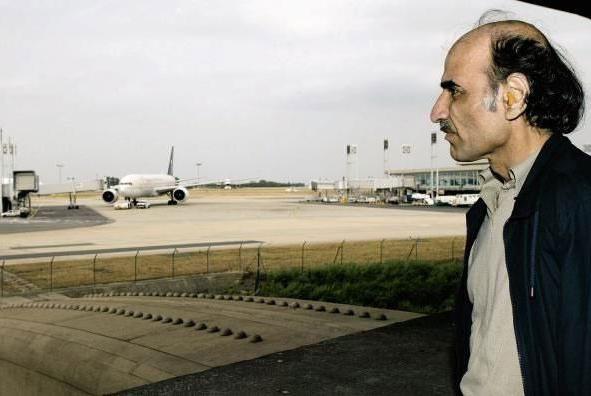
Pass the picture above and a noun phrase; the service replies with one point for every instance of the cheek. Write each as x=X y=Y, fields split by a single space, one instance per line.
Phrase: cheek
x=462 y=118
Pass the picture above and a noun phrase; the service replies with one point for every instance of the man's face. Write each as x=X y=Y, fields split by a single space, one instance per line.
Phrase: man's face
x=468 y=110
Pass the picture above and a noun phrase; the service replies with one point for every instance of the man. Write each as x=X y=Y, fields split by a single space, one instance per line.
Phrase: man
x=524 y=307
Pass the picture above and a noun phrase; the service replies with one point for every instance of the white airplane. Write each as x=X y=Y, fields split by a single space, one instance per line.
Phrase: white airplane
x=132 y=187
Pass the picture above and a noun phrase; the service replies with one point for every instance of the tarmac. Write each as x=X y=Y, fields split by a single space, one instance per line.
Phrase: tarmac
x=52 y=218
x=205 y=218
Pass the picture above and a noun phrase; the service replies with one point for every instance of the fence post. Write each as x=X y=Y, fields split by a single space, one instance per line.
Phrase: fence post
x=256 y=281
x=336 y=255
x=2 y=279
x=342 y=250
x=94 y=271
x=417 y=249
x=208 y=248
x=303 y=247
x=452 y=250
x=382 y=251
x=51 y=274
x=135 y=266
x=172 y=263
x=240 y=256
x=412 y=247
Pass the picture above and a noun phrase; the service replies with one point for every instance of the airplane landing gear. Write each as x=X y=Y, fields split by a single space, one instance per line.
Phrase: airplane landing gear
x=172 y=202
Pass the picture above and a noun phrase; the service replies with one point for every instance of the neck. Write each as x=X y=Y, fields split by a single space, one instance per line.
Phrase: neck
x=517 y=149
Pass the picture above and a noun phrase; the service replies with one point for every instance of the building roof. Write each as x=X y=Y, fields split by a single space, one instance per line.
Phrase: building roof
x=460 y=167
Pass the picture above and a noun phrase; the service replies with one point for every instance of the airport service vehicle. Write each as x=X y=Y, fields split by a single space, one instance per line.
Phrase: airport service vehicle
x=445 y=200
x=22 y=212
x=142 y=204
x=330 y=199
x=393 y=200
x=132 y=187
x=465 y=199
x=421 y=199
x=122 y=205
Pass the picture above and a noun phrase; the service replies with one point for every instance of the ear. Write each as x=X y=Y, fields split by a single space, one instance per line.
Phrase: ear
x=515 y=92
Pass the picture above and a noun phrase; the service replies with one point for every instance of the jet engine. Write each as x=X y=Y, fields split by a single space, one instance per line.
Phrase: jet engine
x=110 y=196
x=180 y=194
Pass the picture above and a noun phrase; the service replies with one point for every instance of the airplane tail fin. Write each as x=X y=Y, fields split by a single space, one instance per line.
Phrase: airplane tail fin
x=171 y=162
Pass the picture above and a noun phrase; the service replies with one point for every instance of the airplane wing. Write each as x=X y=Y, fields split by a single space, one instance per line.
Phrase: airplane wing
x=166 y=189
x=190 y=183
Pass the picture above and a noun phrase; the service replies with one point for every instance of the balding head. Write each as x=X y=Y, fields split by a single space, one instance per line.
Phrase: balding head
x=555 y=98
x=504 y=86
x=508 y=27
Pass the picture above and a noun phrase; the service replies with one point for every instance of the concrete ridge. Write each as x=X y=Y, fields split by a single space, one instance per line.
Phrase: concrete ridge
x=135 y=314
x=318 y=307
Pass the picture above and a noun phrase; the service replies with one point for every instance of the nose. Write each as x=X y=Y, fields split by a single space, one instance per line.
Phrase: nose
x=440 y=110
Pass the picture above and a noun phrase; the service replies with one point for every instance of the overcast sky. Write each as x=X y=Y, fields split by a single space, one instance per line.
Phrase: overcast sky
x=250 y=88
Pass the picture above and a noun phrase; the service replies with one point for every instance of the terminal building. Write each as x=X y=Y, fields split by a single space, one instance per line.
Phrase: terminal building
x=459 y=179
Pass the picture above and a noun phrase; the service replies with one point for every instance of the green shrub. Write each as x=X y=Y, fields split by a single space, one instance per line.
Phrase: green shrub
x=425 y=287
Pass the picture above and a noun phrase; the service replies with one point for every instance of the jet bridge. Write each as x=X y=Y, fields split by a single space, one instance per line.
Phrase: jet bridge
x=24 y=183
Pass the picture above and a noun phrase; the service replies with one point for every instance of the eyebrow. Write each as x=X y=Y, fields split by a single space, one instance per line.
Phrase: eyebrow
x=450 y=85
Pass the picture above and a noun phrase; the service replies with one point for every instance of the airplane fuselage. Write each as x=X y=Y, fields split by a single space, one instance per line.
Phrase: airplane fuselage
x=138 y=186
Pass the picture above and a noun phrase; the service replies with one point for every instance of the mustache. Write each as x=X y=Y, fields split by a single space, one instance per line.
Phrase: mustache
x=446 y=126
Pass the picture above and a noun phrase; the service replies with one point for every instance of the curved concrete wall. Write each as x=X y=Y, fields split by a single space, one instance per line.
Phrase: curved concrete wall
x=17 y=380
x=103 y=344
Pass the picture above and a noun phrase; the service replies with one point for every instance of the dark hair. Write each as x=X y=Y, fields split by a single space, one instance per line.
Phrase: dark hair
x=556 y=98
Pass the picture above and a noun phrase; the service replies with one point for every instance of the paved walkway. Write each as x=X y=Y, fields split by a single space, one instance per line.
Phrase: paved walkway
x=408 y=358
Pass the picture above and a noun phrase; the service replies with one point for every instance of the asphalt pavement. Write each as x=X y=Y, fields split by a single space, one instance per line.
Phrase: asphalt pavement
x=58 y=217
x=408 y=358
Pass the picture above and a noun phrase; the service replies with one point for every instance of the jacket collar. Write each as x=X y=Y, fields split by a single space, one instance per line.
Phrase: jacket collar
x=526 y=201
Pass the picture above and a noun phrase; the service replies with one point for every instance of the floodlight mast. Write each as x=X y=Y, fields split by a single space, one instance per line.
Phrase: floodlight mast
x=386 y=147
x=433 y=143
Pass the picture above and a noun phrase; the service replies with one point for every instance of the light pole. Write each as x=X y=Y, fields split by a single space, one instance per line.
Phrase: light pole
x=59 y=171
x=386 y=146
x=198 y=164
x=434 y=193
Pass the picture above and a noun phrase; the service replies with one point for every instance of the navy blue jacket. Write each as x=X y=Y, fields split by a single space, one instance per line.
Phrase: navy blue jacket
x=548 y=254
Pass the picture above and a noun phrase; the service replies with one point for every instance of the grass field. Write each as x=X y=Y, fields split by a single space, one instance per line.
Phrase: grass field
x=63 y=272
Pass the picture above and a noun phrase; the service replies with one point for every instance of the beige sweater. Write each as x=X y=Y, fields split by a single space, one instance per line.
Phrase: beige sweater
x=493 y=368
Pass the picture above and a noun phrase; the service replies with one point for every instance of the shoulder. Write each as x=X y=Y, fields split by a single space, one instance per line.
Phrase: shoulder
x=568 y=175
x=565 y=190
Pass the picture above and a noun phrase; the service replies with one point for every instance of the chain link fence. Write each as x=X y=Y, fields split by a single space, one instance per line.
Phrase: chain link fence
x=52 y=273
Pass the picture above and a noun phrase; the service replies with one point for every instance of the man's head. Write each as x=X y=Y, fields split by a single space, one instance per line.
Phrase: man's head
x=499 y=78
